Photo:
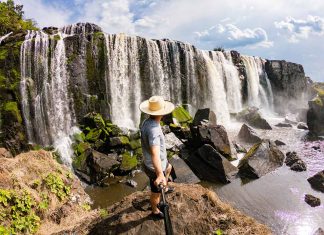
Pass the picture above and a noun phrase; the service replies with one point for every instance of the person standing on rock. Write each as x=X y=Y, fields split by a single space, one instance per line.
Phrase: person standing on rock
x=155 y=163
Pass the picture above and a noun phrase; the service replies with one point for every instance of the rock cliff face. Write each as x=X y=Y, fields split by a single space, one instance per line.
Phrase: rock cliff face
x=289 y=83
x=53 y=77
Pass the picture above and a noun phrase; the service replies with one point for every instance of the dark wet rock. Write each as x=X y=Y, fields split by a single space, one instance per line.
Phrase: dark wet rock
x=312 y=200
x=248 y=135
x=317 y=181
x=50 y=30
x=261 y=159
x=315 y=115
x=210 y=165
x=172 y=142
x=131 y=183
x=288 y=82
x=291 y=158
x=183 y=171
x=5 y=153
x=319 y=231
x=282 y=124
x=214 y=135
x=279 y=143
x=101 y=165
x=239 y=148
x=302 y=126
x=252 y=117
x=302 y=115
x=118 y=141
x=203 y=115
x=316 y=148
x=299 y=165
x=165 y=129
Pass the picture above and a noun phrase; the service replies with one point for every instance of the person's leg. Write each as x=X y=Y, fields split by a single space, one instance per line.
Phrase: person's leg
x=168 y=172
x=155 y=200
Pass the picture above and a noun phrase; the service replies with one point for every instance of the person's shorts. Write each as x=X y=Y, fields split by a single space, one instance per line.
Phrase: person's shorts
x=152 y=176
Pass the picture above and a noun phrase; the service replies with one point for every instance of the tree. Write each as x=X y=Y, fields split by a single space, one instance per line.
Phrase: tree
x=12 y=18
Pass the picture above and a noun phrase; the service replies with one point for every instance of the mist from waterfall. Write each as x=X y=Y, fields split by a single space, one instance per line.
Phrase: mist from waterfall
x=135 y=68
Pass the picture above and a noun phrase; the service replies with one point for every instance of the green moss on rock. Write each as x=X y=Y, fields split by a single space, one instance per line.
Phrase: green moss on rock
x=93 y=135
x=135 y=144
x=129 y=162
x=11 y=111
x=181 y=115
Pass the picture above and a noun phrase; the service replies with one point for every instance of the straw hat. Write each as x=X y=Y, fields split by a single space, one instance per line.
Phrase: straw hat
x=156 y=106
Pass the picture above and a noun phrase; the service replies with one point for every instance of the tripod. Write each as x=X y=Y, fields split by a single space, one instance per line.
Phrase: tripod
x=164 y=207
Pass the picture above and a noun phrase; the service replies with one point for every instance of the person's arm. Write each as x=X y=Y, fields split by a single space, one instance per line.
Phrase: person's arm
x=156 y=160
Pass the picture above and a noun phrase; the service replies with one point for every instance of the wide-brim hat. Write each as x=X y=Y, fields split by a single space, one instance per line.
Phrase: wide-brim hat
x=156 y=106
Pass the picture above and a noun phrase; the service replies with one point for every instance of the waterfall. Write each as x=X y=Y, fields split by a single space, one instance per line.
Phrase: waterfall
x=4 y=37
x=46 y=105
x=231 y=79
x=56 y=86
x=258 y=95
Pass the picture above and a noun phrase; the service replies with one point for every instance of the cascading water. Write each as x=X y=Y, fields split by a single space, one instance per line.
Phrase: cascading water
x=4 y=37
x=46 y=105
x=133 y=68
x=257 y=95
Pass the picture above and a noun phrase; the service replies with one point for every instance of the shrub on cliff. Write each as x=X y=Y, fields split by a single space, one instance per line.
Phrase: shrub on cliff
x=12 y=18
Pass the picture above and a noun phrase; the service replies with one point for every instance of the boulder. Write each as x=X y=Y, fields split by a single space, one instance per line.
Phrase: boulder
x=214 y=135
x=302 y=126
x=291 y=158
x=248 y=135
x=118 y=141
x=210 y=165
x=101 y=165
x=261 y=159
x=203 y=115
x=282 y=124
x=279 y=143
x=315 y=115
x=319 y=231
x=183 y=171
x=299 y=165
x=253 y=118
x=129 y=162
x=312 y=200
x=5 y=153
x=317 y=181
x=172 y=142
x=239 y=148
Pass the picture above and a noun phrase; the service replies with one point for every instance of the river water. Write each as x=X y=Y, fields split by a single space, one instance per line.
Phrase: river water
x=276 y=199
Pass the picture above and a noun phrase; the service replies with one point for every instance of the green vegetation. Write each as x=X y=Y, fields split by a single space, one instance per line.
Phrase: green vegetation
x=57 y=186
x=12 y=18
x=11 y=111
x=129 y=162
x=219 y=49
x=103 y=213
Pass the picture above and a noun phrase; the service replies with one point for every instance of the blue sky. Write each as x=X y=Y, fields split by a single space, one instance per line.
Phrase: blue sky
x=292 y=30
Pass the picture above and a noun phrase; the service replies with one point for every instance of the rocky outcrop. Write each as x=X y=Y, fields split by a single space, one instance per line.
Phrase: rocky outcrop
x=317 y=181
x=288 y=82
x=312 y=200
x=294 y=162
x=210 y=165
x=261 y=159
x=252 y=117
x=248 y=135
x=45 y=193
x=214 y=135
x=282 y=124
x=315 y=114
x=204 y=115
x=183 y=172
x=193 y=210
x=319 y=231
x=5 y=153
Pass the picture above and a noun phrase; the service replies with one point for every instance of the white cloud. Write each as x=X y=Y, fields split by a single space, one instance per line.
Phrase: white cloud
x=230 y=36
x=44 y=14
x=298 y=29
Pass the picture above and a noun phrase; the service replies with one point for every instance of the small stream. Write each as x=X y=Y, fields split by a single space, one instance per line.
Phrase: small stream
x=276 y=199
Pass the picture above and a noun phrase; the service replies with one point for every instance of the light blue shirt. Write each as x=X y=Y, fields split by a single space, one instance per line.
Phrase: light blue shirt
x=152 y=135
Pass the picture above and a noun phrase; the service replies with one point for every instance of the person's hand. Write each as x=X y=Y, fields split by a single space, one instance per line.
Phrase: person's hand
x=160 y=180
